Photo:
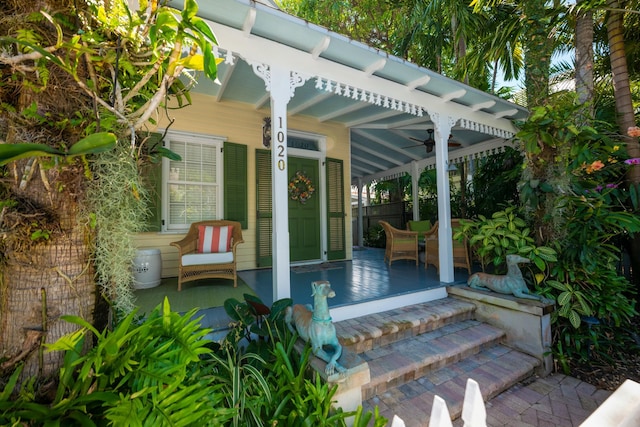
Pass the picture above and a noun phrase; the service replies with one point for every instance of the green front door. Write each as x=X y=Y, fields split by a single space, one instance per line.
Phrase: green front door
x=304 y=217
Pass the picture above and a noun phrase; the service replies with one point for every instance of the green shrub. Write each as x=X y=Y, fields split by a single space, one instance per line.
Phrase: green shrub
x=495 y=181
x=505 y=233
x=163 y=371
x=576 y=192
x=278 y=387
x=146 y=374
x=255 y=323
x=375 y=237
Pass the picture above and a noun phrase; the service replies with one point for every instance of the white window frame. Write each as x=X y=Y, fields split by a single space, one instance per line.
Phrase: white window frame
x=191 y=138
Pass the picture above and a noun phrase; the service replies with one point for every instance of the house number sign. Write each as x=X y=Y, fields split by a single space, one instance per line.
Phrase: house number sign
x=280 y=145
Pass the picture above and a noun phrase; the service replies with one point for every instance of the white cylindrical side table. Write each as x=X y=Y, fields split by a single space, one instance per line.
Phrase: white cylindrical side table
x=147 y=268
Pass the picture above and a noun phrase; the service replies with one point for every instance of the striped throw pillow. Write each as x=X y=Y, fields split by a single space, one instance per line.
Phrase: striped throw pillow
x=212 y=239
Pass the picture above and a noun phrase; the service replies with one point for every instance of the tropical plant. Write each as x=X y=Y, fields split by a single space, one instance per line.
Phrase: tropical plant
x=495 y=182
x=375 y=237
x=303 y=401
x=268 y=376
x=91 y=144
x=585 y=212
x=162 y=370
x=538 y=35
x=255 y=323
x=147 y=373
x=445 y=36
x=75 y=76
x=505 y=233
x=242 y=377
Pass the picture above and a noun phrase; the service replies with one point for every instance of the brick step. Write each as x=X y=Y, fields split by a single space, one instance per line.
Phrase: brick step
x=376 y=330
x=403 y=361
x=496 y=369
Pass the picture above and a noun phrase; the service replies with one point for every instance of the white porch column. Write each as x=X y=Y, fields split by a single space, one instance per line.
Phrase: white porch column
x=281 y=84
x=415 y=178
x=442 y=129
x=280 y=208
x=360 y=215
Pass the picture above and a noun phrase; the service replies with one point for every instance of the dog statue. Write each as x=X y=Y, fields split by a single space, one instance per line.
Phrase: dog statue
x=314 y=324
x=511 y=284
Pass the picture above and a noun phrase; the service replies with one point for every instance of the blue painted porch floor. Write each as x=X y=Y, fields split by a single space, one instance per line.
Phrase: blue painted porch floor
x=365 y=278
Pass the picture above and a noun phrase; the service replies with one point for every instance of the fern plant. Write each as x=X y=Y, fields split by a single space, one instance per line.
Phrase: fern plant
x=139 y=374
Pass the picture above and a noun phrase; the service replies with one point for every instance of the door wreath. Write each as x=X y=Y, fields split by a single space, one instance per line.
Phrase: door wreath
x=300 y=187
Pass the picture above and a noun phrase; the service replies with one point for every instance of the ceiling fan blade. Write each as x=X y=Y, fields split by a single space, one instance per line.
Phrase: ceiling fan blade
x=454 y=144
x=416 y=139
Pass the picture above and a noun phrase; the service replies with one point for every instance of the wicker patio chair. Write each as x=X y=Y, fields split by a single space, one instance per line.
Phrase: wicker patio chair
x=401 y=244
x=195 y=265
x=461 y=256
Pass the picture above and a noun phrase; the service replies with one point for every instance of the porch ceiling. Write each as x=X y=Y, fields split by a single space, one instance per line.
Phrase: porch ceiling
x=380 y=134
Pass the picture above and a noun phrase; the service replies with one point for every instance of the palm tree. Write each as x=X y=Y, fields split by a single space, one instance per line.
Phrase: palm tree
x=621 y=84
x=584 y=57
x=624 y=108
x=67 y=73
x=47 y=260
x=438 y=34
x=450 y=26
x=499 y=44
x=535 y=23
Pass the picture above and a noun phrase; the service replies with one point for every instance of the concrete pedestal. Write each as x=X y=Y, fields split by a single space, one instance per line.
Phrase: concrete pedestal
x=527 y=323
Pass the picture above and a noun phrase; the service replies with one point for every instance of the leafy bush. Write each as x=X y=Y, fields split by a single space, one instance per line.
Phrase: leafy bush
x=138 y=374
x=495 y=181
x=505 y=233
x=164 y=371
x=582 y=208
x=294 y=393
x=375 y=237
x=252 y=319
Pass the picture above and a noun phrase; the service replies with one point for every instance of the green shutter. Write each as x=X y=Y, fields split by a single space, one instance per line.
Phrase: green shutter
x=152 y=179
x=264 y=223
x=235 y=183
x=335 y=210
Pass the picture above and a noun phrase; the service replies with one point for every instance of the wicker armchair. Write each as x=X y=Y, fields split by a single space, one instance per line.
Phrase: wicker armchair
x=196 y=266
x=461 y=256
x=401 y=244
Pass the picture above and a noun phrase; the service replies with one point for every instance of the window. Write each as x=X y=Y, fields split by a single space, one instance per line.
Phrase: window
x=192 y=187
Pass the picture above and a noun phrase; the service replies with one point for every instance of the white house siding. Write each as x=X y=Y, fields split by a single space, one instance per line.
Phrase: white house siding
x=242 y=124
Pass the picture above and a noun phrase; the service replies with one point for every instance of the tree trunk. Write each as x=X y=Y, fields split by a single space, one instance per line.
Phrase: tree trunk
x=584 y=62
x=624 y=110
x=538 y=48
x=46 y=279
x=47 y=266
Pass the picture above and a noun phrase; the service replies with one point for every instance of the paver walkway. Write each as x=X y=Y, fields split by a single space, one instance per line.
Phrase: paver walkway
x=553 y=401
